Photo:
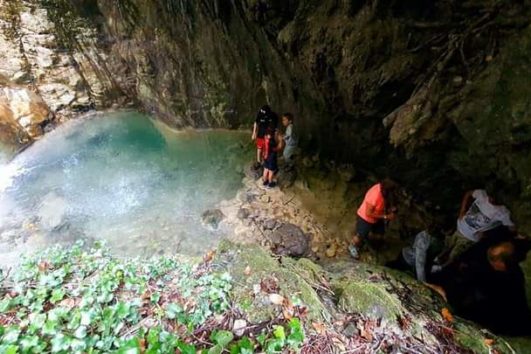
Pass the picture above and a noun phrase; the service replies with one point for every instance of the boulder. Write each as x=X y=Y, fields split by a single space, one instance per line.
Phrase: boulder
x=289 y=240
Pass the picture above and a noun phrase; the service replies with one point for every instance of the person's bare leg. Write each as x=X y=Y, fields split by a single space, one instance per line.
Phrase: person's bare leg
x=264 y=175
x=259 y=155
x=356 y=240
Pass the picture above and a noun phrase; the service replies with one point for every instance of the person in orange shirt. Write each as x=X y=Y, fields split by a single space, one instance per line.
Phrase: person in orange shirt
x=373 y=213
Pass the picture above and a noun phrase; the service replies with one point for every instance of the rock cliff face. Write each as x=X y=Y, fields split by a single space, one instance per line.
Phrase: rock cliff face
x=433 y=94
x=429 y=94
x=53 y=68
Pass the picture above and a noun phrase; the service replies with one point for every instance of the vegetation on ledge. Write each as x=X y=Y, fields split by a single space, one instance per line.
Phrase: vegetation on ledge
x=239 y=299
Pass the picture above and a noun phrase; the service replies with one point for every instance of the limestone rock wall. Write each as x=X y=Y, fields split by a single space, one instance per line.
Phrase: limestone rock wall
x=425 y=92
x=65 y=72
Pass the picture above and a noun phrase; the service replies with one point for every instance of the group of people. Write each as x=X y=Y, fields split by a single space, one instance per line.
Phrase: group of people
x=476 y=269
x=270 y=142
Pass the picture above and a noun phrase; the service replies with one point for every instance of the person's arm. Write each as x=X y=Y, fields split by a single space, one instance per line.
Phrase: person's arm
x=465 y=204
x=253 y=137
x=371 y=212
x=422 y=242
x=280 y=142
x=438 y=289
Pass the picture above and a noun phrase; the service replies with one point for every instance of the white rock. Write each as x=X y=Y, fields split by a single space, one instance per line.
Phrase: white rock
x=239 y=327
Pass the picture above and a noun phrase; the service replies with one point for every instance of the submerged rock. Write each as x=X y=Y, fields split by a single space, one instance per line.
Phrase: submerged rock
x=211 y=218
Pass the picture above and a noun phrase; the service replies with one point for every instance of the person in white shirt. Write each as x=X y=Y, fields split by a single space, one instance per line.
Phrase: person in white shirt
x=479 y=213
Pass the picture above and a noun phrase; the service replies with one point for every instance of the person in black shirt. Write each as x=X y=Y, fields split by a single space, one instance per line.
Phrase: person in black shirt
x=486 y=285
x=265 y=118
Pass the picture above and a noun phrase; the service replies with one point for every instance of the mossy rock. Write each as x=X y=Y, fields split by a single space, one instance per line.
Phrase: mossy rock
x=249 y=265
x=370 y=299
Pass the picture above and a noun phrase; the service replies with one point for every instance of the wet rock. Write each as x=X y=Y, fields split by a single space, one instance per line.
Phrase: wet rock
x=243 y=213
x=286 y=177
x=351 y=330
x=289 y=240
x=211 y=218
x=254 y=171
x=270 y=224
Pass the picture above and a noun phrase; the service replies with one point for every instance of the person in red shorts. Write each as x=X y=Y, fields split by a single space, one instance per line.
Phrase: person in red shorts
x=375 y=210
x=265 y=118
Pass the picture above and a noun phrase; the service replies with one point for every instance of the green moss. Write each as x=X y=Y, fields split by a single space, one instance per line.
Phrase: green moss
x=370 y=299
x=261 y=265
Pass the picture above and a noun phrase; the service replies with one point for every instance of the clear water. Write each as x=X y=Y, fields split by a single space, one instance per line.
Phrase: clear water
x=119 y=178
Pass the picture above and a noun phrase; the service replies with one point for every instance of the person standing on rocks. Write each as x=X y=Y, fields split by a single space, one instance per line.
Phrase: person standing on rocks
x=290 y=140
x=265 y=118
x=375 y=210
x=273 y=144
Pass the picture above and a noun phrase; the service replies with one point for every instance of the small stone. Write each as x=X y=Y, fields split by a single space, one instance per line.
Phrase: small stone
x=239 y=327
x=276 y=299
x=265 y=198
x=331 y=250
x=351 y=330
x=270 y=224
x=243 y=214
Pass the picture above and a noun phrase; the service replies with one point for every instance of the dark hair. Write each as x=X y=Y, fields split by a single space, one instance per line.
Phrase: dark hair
x=495 y=192
x=507 y=254
x=289 y=116
x=265 y=109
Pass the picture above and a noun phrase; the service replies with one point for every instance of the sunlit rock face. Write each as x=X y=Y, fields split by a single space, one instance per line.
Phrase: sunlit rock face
x=57 y=64
x=23 y=110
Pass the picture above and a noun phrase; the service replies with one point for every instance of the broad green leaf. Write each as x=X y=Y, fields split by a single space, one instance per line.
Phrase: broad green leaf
x=11 y=335
x=279 y=332
x=81 y=332
x=222 y=338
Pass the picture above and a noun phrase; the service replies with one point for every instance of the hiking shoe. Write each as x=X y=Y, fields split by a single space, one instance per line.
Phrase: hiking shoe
x=272 y=184
x=353 y=250
x=265 y=183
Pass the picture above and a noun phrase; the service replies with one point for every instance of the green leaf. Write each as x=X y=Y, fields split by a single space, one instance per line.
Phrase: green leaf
x=243 y=346
x=49 y=328
x=217 y=349
x=296 y=335
x=81 y=332
x=155 y=297
x=5 y=305
x=274 y=346
x=261 y=339
x=57 y=295
x=132 y=346
x=222 y=338
x=9 y=349
x=172 y=310
x=11 y=335
x=186 y=348
x=279 y=332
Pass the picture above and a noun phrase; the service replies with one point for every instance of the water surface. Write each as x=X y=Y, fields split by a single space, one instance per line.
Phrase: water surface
x=122 y=179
